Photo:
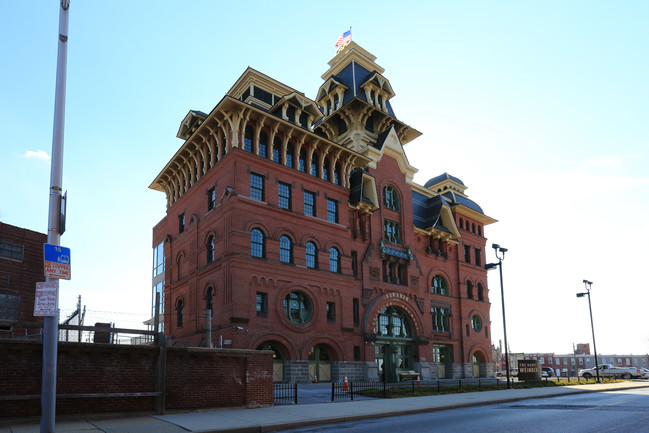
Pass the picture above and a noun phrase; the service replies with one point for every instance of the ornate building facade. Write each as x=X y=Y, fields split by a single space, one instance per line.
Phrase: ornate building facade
x=294 y=225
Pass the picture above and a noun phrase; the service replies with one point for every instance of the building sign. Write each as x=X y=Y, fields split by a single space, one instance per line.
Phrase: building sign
x=529 y=369
x=57 y=261
x=45 y=301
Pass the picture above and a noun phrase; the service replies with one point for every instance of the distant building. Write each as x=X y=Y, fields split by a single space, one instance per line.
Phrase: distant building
x=570 y=364
x=296 y=225
x=21 y=267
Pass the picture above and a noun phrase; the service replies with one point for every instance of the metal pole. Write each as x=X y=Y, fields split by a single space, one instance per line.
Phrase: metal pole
x=51 y=323
x=592 y=327
x=502 y=298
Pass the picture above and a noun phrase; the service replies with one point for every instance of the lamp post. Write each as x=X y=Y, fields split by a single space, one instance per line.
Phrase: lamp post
x=500 y=255
x=588 y=285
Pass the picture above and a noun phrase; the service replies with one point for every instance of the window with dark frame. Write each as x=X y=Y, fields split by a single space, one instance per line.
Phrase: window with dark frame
x=211 y=199
x=181 y=223
x=334 y=260
x=284 y=195
x=439 y=286
x=477 y=257
x=467 y=254
x=210 y=249
x=285 y=249
x=257 y=243
x=263 y=144
x=309 y=203
x=332 y=210
x=331 y=312
x=391 y=198
x=311 y=256
x=262 y=304
x=256 y=186
x=392 y=231
x=356 y=311
x=440 y=319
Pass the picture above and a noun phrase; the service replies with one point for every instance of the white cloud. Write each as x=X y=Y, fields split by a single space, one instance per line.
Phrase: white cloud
x=39 y=154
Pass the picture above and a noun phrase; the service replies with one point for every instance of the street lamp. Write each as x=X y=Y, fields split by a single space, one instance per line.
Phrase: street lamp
x=588 y=285
x=500 y=255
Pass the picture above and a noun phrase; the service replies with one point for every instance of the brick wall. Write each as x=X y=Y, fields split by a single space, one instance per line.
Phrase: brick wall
x=195 y=378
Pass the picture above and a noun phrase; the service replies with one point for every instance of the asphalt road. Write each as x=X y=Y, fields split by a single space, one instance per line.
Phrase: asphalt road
x=620 y=411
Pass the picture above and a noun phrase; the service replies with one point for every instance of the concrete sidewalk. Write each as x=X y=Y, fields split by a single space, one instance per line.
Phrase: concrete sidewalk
x=291 y=416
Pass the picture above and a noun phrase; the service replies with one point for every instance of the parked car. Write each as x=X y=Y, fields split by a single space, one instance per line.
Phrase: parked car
x=608 y=370
x=513 y=372
x=547 y=372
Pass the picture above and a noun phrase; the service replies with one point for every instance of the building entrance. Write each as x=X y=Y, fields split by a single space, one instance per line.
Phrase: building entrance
x=278 y=360
x=394 y=344
x=320 y=363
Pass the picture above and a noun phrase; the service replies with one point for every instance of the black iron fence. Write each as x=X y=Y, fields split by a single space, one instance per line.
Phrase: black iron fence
x=284 y=393
x=363 y=390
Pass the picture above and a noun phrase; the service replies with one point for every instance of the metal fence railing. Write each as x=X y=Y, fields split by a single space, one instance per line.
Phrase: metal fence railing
x=284 y=393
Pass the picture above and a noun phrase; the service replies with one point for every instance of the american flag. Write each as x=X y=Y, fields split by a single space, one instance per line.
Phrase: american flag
x=344 y=38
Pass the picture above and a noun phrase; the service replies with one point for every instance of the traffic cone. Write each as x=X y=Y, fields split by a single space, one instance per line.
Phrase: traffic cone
x=315 y=379
x=345 y=387
x=418 y=381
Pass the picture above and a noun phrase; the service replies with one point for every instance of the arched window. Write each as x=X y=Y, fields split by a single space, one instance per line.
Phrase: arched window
x=469 y=289
x=285 y=249
x=311 y=255
x=393 y=322
x=480 y=230
x=480 y=292
x=334 y=260
x=390 y=197
x=247 y=139
x=210 y=249
x=314 y=165
x=337 y=174
x=325 y=169
x=263 y=144
x=473 y=228
x=179 y=312
x=476 y=323
x=439 y=286
x=209 y=299
x=289 y=155
x=302 y=161
x=257 y=243
x=277 y=144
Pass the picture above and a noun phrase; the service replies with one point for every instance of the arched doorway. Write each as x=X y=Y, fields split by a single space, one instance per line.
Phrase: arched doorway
x=476 y=365
x=394 y=343
x=278 y=360
x=320 y=363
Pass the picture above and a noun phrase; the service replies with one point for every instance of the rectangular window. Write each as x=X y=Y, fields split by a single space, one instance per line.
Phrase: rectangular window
x=309 y=203
x=477 y=257
x=355 y=264
x=262 y=304
x=331 y=312
x=158 y=259
x=12 y=251
x=284 y=195
x=357 y=353
x=440 y=319
x=392 y=231
x=332 y=211
x=181 y=223
x=467 y=254
x=257 y=186
x=356 y=312
x=211 y=199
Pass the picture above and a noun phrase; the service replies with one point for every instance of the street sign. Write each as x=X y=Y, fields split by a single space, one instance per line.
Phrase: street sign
x=45 y=301
x=57 y=261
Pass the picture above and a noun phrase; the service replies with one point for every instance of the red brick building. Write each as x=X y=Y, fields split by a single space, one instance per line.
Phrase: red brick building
x=21 y=267
x=297 y=226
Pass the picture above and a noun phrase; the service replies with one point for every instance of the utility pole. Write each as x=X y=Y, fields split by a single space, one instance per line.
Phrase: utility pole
x=54 y=226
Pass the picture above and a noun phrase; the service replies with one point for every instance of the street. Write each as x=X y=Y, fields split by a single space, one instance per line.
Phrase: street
x=620 y=411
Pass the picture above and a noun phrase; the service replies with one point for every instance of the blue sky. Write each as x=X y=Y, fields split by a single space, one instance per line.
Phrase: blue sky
x=540 y=108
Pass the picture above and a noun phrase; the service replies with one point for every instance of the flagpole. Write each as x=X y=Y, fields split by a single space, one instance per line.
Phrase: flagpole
x=51 y=323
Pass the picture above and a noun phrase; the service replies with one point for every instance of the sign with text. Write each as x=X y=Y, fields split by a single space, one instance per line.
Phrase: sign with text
x=45 y=301
x=57 y=261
